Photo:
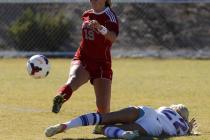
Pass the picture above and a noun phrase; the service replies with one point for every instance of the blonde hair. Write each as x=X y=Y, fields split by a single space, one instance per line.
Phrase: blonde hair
x=184 y=113
x=182 y=110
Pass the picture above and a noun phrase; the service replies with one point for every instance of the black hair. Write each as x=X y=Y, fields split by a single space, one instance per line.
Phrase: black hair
x=107 y=4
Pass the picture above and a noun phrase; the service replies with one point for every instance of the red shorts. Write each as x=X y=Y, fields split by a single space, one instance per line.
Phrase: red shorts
x=96 y=69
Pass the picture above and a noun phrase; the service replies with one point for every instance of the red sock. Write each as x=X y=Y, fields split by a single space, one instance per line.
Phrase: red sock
x=65 y=91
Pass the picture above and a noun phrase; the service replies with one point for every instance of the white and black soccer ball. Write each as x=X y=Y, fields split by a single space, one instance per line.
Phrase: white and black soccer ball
x=38 y=66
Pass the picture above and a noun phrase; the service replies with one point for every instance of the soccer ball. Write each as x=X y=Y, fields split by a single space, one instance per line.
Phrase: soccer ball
x=38 y=66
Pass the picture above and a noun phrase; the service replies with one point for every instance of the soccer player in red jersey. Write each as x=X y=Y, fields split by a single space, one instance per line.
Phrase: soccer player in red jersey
x=92 y=61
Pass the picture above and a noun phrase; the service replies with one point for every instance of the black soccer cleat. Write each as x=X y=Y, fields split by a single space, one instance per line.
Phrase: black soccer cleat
x=98 y=129
x=57 y=103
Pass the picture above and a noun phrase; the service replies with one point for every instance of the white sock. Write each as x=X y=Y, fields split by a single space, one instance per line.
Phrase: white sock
x=84 y=120
x=113 y=132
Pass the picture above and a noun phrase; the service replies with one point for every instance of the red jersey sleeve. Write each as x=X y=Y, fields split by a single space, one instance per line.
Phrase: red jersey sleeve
x=113 y=26
x=112 y=21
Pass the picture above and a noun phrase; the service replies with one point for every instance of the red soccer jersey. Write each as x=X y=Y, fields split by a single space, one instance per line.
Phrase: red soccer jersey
x=94 y=46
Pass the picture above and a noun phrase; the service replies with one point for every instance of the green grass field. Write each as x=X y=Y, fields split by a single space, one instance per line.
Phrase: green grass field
x=25 y=103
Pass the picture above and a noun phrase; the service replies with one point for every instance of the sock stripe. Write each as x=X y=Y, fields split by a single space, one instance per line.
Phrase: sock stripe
x=94 y=118
x=100 y=118
x=84 y=121
x=116 y=133
x=107 y=132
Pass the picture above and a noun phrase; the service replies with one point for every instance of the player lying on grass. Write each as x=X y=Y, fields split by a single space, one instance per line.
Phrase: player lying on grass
x=132 y=122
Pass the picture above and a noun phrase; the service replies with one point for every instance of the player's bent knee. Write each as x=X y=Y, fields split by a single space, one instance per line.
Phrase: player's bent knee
x=134 y=113
x=74 y=83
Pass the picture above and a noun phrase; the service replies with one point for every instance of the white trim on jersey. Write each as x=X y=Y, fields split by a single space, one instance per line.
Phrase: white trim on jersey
x=99 y=13
x=108 y=12
x=111 y=15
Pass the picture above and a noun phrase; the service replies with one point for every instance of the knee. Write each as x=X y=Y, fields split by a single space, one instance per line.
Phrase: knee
x=73 y=82
x=134 y=113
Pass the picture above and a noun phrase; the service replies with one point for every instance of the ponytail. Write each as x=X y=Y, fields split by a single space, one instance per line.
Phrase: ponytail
x=108 y=3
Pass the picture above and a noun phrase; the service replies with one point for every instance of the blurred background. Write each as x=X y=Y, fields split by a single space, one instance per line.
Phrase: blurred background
x=149 y=28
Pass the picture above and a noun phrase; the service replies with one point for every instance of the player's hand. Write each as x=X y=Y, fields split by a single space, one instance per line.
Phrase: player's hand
x=193 y=126
x=94 y=24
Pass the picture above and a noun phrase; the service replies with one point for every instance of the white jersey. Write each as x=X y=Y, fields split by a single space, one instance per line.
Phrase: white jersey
x=172 y=123
x=148 y=119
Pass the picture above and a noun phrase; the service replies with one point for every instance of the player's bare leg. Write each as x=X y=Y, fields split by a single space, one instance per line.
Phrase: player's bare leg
x=125 y=116
x=102 y=89
x=77 y=77
x=127 y=129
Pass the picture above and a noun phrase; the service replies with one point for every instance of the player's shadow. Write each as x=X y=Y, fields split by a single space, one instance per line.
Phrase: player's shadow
x=100 y=138
x=139 y=138
x=104 y=138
